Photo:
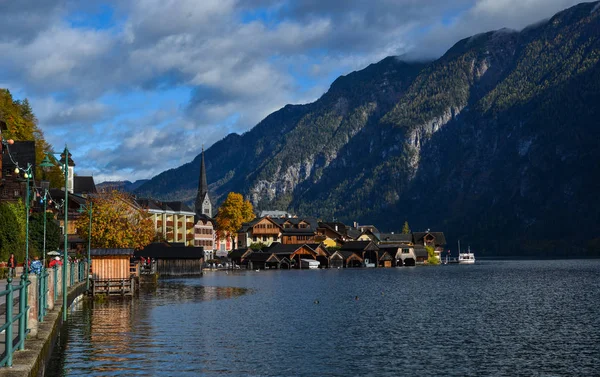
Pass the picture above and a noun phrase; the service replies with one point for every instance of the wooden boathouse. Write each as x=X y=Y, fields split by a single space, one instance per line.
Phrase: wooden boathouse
x=174 y=259
x=111 y=274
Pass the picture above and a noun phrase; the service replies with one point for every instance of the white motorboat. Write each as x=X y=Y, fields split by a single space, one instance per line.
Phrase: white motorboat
x=465 y=258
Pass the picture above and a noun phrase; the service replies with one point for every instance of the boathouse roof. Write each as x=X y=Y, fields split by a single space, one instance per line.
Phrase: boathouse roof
x=165 y=250
x=110 y=252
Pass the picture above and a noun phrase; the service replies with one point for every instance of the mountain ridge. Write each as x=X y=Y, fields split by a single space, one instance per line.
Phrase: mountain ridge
x=460 y=144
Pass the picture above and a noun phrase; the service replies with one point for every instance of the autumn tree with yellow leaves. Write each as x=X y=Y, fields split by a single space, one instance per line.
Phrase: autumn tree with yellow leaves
x=232 y=214
x=117 y=222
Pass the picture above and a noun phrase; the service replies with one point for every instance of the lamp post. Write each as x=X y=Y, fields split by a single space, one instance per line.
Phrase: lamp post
x=27 y=174
x=65 y=168
x=89 y=209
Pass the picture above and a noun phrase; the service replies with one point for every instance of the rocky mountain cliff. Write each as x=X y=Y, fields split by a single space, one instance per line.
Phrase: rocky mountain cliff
x=495 y=143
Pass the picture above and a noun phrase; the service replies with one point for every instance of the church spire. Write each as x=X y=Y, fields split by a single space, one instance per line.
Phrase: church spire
x=203 y=205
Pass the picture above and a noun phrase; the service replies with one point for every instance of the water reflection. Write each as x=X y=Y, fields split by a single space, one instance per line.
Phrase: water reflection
x=115 y=337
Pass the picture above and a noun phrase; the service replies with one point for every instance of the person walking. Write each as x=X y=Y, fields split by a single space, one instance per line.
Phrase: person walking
x=12 y=264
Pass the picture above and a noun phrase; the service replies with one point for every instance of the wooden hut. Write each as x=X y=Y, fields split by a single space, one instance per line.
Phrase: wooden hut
x=111 y=271
x=347 y=259
x=174 y=259
x=367 y=250
x=386 y=260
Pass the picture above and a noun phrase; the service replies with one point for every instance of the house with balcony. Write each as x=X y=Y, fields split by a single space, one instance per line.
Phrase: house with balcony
x=298 y=231
x=173 y=221
x=265 y=230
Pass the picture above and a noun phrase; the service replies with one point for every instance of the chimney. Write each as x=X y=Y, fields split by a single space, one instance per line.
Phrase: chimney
x=336 y=227
x=356 y=225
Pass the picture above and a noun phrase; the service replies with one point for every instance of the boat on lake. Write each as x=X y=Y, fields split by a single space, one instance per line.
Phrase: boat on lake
x=466 y=258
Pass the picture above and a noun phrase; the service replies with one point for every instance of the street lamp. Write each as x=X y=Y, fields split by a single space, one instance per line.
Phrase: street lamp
x=65 y=168
x=27 y=174
x=90 y=212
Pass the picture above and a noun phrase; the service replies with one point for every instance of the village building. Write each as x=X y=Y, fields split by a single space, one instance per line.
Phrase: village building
x=12 y=185
x=262 y=230
x=298 y=231
x=368 y=251
x=332 y=234
x=173 y=259
x=173 y=221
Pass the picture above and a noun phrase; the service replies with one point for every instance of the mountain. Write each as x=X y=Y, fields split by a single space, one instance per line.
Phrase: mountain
x=126 y=186
x=495 y=143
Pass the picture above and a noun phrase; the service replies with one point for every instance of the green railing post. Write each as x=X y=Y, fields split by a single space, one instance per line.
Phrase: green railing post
x=55 y=283
x=9 y=318
x=43 y=291
x=22 y=312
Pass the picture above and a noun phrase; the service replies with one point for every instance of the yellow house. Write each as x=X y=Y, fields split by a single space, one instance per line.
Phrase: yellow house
x=173 y=221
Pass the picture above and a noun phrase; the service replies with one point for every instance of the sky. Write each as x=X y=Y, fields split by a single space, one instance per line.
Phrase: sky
x=137 y=87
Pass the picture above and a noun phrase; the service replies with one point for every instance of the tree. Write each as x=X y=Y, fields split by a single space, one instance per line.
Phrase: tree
x=258 y=246
x=232 y=214
x=12 y=240
x=406 y=228
x=432 y=258
x=36 y=233
x=117 y=222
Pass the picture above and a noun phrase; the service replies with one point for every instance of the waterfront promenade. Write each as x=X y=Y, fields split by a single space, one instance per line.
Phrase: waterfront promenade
x=41 y=336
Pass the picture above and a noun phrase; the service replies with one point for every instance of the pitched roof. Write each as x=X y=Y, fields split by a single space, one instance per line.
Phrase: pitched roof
x=439 y=237
x=84 y=185
x=279 y=248
x=396 y=237
x=258 y=256
x=421 y=252
x=353 y=233
x=178 y=206
x=164 y=250
x=274 y=214
x=108 y=252
x=204 y=219
x=238 y=253
x=359 y=246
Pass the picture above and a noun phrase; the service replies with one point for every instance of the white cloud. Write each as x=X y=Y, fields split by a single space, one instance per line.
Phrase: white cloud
x=239 y=59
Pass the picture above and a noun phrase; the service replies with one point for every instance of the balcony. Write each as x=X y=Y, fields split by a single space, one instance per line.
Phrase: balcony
x=261 y=231
x=169 y=223
x=179 y=224
x=189 y=225
x=189 y=236
x=159 y=224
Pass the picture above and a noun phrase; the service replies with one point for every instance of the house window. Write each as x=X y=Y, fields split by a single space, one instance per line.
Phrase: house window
x=16 y=193
x=254 y=238
x=405 y=251
x=265 y=238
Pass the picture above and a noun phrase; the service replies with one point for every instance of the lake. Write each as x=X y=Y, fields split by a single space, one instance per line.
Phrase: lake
x=502 y=318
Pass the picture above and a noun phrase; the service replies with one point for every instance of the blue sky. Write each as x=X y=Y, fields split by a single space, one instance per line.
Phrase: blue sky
x=137 y=87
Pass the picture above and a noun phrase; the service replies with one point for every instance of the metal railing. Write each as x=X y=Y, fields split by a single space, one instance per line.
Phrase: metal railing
x=43 y=294
x=12 y=343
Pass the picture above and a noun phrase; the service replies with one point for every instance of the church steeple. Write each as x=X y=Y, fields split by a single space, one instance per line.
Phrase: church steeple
x=203 y=205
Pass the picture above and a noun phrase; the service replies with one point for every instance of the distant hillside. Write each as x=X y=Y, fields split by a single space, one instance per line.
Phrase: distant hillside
x=126 y=186
x=495 y=143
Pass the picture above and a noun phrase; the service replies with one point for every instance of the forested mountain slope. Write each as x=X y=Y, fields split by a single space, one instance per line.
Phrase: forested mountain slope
x=495 y=143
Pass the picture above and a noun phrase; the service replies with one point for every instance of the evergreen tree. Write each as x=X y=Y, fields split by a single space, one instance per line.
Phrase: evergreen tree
x=406 y=228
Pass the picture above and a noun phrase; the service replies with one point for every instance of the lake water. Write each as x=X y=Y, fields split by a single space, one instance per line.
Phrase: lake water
x=501 y=318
